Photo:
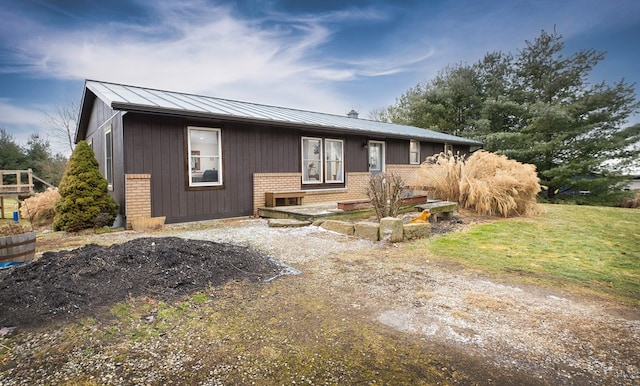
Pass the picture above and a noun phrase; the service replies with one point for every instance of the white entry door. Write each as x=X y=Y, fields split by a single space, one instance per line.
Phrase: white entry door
x=376 y=157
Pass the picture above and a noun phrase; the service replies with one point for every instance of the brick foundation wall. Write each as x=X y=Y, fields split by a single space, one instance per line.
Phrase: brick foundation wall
x=137 y=197
x=282 y=182
x=273 y=182
x=407 y=172
x=356 y=185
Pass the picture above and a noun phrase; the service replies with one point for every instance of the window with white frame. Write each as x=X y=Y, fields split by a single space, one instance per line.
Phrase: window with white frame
x=311 y=160
x=334 y=169
x=414 y=152
x=204 y=157
x=108 y=156
x=448 y=148
x=322 y=160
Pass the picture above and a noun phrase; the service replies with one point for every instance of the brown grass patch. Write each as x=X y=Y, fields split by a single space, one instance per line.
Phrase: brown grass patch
x=632 y=203
x=479 y=300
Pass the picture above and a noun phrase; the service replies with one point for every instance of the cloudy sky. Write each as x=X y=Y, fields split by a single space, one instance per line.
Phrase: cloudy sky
x=326 y=55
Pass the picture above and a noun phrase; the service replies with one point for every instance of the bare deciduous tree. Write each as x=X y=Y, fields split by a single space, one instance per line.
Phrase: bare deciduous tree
x=62 y=123
x=385 y=191
x=380 y=114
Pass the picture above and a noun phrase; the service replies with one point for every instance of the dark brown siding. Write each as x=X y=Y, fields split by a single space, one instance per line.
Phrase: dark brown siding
x=155 y=145
x=355 y=154
x=460 y=149
x=428 y=149
x=397 y=151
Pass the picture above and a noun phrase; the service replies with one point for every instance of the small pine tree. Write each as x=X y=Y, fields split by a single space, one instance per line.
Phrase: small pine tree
x=85 y=201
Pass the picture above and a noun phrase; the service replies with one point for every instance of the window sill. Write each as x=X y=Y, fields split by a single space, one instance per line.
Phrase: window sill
x=324 y=190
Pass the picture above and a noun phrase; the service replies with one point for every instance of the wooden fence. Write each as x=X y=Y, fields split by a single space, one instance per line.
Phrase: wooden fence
x=18 y=184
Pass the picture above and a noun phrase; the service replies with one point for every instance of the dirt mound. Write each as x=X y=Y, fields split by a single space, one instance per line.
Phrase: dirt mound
x=68 y=284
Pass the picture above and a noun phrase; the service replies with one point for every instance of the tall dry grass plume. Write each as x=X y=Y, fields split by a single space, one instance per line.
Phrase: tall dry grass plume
x=632 y=203
x=441 y=174
x=40 y=209
x=487 y=183
x=493 y=184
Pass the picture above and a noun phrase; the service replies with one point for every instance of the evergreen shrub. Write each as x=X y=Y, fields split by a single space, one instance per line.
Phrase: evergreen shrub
x=85 y=201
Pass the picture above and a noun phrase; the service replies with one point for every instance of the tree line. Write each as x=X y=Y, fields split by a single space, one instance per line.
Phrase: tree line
x=36 y=155
x=537 y=107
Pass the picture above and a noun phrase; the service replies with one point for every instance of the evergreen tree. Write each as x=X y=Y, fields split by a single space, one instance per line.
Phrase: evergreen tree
x=539 y=108
x=572 y=131
x=447 y=103
x=44 y=165
x=13 y=157
x=85 y=201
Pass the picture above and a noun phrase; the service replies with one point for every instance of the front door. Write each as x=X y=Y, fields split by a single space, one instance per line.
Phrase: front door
x=376 y=157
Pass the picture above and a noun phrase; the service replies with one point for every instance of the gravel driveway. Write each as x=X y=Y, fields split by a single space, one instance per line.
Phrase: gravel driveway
x=540 y=333
x=522 y=328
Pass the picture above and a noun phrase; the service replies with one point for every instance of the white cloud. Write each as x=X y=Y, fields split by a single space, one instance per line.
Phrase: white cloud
x=11 y=114
x=208 y=50
x=283 y=59
x=22 y=122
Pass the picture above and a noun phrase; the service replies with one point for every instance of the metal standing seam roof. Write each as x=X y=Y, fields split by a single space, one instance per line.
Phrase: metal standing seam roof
x=123 y=97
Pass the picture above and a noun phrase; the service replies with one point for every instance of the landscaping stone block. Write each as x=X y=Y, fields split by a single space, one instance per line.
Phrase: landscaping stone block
x=416 y=230
x=391 y=229
x=287 y=223
x=343 y=227
x=439 y=209
x=367 y=230
x=319 y=222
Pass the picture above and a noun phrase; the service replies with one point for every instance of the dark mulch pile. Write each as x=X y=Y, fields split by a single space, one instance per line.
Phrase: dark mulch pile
x=68 y=284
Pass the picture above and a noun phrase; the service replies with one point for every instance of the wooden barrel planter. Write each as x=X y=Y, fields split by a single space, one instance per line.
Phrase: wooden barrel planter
x=18 y=248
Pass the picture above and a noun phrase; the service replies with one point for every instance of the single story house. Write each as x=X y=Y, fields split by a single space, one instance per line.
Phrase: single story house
x=191 y=157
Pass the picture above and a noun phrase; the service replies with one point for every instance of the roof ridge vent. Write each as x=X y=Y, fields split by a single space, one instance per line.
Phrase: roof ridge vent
x=352 y=114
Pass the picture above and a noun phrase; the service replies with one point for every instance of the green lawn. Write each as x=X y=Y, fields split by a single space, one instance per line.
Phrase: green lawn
x=9 y=207
x=584 y=248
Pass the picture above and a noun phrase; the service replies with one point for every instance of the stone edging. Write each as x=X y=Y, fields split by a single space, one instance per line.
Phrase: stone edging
x=389 y=229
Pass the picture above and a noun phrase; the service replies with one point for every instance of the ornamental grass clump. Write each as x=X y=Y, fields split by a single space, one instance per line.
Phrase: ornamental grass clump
x=41 y=208
x=632 y=203
x=85 y=201
x=486 y=183
x=441 y=173
x=494 y=184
